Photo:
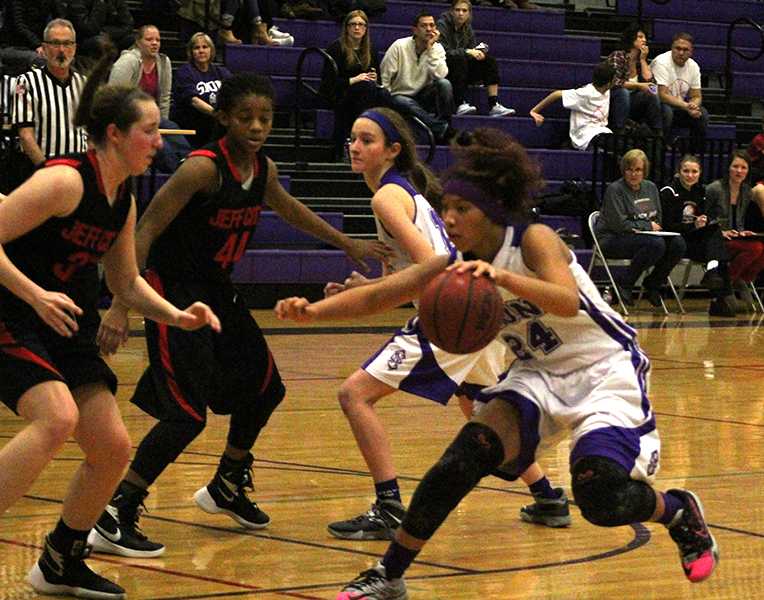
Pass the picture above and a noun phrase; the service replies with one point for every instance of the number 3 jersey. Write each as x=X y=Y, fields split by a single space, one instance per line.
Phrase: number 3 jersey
x=212 y=231
x=557 y=344
x=61 y=253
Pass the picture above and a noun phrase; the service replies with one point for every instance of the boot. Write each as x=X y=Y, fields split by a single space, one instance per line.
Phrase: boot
x=260 y=35
x=227 y=37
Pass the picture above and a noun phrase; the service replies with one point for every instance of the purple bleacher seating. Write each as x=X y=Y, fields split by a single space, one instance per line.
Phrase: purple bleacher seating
x=297 y=266
x=708 y=32
x=483 y=17
x=720 y=11
x=504 y=44
x=273 y=230
x=748 y=84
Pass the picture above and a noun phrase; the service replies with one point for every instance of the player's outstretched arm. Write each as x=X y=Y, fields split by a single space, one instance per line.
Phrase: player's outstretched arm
x=384 y=294
x=297 y=214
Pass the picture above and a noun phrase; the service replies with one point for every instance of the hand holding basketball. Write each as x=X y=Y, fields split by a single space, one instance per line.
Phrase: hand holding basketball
x=461 y=310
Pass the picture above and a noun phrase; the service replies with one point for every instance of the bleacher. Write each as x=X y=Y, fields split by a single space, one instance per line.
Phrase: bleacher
x=537 y=51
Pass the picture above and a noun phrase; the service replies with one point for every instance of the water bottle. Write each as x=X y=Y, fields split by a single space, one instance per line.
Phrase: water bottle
x=607 y=295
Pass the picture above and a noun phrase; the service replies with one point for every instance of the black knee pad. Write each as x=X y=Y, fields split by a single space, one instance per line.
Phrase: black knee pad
x=607 y=496
x=475 y=452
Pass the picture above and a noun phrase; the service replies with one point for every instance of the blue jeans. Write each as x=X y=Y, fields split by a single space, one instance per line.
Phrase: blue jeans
x=635 y=105
x=644 y=251
x=174 y=149
x=676 y=117
x=434 y=105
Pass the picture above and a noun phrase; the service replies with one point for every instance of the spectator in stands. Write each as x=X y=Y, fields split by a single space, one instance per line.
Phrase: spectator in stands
x=355 y=87
x=414 y=69
x=228 y=10
x=145 y=67
x=683 y=206
x=730 y=200
x=23 y=32
x=468 y=62
x=678 y=79
x=756 y=156
x=632 y=206
x=589 y=107
x=101 y=23
x=634 y=93
x=196 y=89
x=46 y=99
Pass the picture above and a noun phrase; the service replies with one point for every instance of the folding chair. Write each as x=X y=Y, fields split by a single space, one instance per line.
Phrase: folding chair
x=599 y=256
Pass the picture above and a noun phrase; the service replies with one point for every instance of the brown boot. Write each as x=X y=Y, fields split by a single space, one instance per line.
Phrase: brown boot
x=227 y=37
x=260 y=35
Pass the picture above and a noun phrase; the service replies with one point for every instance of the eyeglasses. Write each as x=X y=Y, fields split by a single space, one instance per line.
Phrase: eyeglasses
x=60 y=43
x=357 y=24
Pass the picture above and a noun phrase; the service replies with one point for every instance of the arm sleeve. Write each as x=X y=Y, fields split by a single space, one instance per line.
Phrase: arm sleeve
x=121 y=71
x=660 y=73
x=185 y=86
x=713 y=204
x=436 y=61
x=389 y=66
x=23 y=112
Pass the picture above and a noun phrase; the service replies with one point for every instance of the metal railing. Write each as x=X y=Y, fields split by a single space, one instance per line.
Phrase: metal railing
x=664 y=158
x=728 y=72
x=304 y=85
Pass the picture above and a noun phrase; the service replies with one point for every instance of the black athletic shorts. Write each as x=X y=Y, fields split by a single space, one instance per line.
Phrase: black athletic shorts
x=34 y=353
x=192 y=370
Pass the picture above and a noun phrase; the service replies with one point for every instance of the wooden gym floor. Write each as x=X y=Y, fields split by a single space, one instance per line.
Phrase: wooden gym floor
x=707 y=392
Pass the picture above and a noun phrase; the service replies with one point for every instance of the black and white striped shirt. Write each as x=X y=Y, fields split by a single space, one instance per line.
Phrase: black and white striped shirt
x=49 y=105
x=7 y=88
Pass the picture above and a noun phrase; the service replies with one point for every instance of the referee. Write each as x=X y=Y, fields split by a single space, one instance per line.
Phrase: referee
x=46 y=100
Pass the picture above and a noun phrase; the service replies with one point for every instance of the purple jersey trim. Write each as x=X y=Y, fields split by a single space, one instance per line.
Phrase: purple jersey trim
x=620 y=444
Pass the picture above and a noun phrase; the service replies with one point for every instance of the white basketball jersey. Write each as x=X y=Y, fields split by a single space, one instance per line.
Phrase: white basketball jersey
x=557 y=344
x=426 y=220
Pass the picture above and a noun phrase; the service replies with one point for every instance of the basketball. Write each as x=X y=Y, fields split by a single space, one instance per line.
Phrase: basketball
x=460 y=313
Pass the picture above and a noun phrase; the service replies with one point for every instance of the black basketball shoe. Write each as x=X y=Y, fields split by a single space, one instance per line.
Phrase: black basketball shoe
x=117 y=530
x=55 y=573
x=378 y=523
x=227 y=494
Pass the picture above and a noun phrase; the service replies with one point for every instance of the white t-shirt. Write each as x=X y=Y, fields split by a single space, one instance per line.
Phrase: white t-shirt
x=678 y=80
x=588 y=114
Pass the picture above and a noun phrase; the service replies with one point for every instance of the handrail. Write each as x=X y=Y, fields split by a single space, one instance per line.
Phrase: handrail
x=728 y=75
x=300 y=84
x=639 y=7
x=430 y=137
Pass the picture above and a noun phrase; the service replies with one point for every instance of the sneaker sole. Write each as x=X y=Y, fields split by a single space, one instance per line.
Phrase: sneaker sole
x=386 y=535
x=105 y=545
x=548 y=521
x=714 y=545
x=207 y=504
x=37 y=580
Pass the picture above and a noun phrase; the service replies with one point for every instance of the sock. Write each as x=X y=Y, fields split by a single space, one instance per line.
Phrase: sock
x=66 y=540
x=388 y=490
x=492 y=100
x=543 y=489
x=712 y=264
x=397 y=559
x=673 y=504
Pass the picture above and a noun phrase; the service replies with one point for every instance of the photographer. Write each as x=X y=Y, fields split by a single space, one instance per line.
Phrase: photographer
x=468 y=62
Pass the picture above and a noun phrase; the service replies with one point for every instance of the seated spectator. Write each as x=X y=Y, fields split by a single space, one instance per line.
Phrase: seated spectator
x=23 y=33
x=730 y=200
x=145 y=67
x=414 y=70
x=228 y=10
x=355 y=87
x=678 y=79
x=468 y=62
x=196 y=88
x=632 y=205
x=589 y=107
x=683 y=207
x=756 y=156
x=634 y=94
x=100 y=24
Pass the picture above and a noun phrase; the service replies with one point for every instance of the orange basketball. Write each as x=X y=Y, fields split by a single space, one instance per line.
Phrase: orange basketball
x=460 y=313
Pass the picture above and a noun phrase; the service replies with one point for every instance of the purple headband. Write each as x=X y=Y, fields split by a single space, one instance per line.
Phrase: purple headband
x=493 y=207
x=390 y=131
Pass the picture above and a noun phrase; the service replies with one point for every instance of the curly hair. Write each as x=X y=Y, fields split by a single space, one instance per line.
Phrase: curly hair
x=499 y=165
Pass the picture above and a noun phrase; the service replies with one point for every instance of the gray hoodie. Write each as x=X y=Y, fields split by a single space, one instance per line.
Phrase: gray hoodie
x=127 y=71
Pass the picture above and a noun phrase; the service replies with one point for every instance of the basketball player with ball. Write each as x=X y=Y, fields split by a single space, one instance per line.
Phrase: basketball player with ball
x=383 y=149
x=579 y=369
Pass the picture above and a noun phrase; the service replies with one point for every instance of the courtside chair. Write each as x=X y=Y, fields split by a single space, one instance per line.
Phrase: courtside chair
x=599 y=257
